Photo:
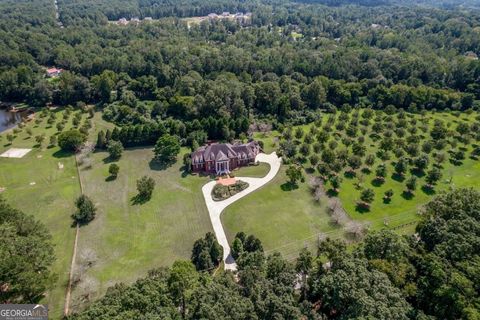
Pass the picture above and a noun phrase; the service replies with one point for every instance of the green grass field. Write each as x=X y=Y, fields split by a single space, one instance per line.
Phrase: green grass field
x=129 y=239
x=256 y=171
x=36 y=185
x=284 y=221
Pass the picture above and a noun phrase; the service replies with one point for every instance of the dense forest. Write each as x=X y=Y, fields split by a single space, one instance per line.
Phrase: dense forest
x=166 y=70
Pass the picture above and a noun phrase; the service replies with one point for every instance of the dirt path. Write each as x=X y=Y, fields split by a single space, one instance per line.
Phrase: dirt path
x=57 y=14
x=215 y=208
x=66 y=309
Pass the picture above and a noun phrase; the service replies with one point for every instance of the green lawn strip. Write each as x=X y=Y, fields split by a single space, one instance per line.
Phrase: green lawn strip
x=284 y=221
x=130 y=239
x=254 y=171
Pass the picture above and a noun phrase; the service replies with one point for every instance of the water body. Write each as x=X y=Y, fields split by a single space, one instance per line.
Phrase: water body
x=9 y=119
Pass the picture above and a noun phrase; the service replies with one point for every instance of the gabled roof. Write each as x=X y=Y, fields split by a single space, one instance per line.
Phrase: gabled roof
x=224 y=151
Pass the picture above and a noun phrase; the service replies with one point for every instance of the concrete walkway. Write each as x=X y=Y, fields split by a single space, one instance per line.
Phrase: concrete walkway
x=215 y=208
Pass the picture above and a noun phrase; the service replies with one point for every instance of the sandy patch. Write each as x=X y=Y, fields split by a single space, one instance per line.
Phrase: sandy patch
x=33 y=183
x=2 y=189
x=15 y=153
x=60 y=165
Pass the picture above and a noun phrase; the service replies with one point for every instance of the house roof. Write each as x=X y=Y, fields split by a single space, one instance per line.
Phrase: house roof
x=53 y=70
x=224 y=151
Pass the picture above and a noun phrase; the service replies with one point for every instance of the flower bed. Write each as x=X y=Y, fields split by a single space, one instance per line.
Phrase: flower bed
x=221 y=192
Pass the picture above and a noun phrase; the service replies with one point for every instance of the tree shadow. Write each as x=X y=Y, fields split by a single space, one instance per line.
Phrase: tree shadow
x=417 y=172
x=407 y=195
x=159 y=165
x=377 y=182
x=350 y=174
x=109 y=159
x=139 y=199
x=428 y=190
x=310 y=170
x=110 y=178
x=332 y=193
x=455 y=162
x=361 y=209
x=62 y=154
x=398 y=177
x=366 y=171
x=387 y=200
x=288 y=186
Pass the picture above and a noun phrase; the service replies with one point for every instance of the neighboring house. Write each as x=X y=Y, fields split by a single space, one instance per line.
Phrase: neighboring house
x=53 y=72
x=122 y=21
x=221 y=158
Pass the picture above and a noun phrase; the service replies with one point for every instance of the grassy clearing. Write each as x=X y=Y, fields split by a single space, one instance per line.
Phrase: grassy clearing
x=130 y=239
x=50 y=199
x=284 y=221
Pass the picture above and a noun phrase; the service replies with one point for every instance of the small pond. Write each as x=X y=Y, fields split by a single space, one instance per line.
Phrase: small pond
x=9 y=119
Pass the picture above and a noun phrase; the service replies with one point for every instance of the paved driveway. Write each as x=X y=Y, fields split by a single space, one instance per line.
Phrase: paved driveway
x=215 y=208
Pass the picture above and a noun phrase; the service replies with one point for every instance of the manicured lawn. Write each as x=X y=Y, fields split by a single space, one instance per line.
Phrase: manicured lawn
x=255 y=171
x=38 y=186
x=284 y=221
x=129 y=239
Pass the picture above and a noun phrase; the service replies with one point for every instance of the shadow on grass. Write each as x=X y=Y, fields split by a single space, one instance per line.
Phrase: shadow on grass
x=111 y=178
x=377 y=182
x=398 y=177
x=63 y=154
x=140 y=199
x=109 y=159
x=350 y=174
x=310 y=170
x=428 y=190
x=332 y=193
x=159 y=166
x=418 y=173
x=407 y=195
x=185 y=172
x=361 y=209
x=288 y=186
x=456 y=163
x=366 y=171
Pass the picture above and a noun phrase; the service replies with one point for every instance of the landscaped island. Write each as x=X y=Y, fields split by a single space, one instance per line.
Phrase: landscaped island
x=223 y=191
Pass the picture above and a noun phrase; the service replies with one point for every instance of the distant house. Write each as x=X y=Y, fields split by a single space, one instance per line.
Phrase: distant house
x=225 y=14
x=212 y=16
x=122 y=21
x=472 y=55
x=221 y=158
x=53 y=72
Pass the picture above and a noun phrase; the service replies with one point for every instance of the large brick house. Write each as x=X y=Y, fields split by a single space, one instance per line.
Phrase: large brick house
x=221 y=158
